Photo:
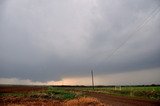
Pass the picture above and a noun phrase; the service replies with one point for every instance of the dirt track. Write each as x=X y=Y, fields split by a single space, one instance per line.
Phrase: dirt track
x=108 y=100
x=122 y=101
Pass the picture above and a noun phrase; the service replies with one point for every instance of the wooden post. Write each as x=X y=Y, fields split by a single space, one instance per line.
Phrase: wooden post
x=92 y=79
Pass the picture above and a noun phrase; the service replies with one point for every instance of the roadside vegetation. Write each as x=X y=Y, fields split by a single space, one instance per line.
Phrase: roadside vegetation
x=67 y=93
x=46 y=96
x=49 y=93
x=144 y=92
x=60 y=93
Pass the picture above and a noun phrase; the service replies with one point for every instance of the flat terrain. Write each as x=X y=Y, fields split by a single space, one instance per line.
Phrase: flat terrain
x=69 y=96
x=43 y=96
x=122 y=101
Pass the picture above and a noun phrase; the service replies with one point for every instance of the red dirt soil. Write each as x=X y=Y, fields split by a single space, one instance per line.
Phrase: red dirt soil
x=24 y=89
x=95 y=99
x=23 y=101
x=122 y=101
x=38 y=101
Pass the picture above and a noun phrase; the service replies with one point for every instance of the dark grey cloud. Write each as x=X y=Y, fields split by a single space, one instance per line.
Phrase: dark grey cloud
x=48 y=40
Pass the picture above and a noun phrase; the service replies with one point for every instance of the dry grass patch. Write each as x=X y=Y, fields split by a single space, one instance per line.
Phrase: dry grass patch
x=84 y=101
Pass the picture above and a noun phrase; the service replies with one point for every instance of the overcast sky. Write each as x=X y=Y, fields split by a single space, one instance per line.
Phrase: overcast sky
x=60 y=41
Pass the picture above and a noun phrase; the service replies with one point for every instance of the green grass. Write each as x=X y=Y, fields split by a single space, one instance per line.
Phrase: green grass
x=14 y=94
x=64 y=93
x=146 y=92
x=50 y=93
x=60 y=93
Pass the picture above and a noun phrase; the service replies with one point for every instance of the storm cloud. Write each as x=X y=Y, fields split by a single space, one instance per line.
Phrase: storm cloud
x=53 y=39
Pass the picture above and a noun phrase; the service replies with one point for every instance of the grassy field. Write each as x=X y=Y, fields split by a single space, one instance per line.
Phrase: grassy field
x=145 y=92
x=48 y=92
x=60 y=93
x=43 y=96
x=70 y=92
x=72 y=95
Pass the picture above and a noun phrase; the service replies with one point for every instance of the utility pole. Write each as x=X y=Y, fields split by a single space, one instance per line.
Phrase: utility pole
x=92 y=79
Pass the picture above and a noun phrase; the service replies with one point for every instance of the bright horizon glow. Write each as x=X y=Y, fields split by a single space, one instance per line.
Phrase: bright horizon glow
x=127 y=78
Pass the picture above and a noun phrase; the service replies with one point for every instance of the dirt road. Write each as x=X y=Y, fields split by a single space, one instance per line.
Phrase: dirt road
x=122 y=101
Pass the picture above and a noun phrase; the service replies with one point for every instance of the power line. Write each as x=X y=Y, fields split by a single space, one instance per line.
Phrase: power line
x=146 y=20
